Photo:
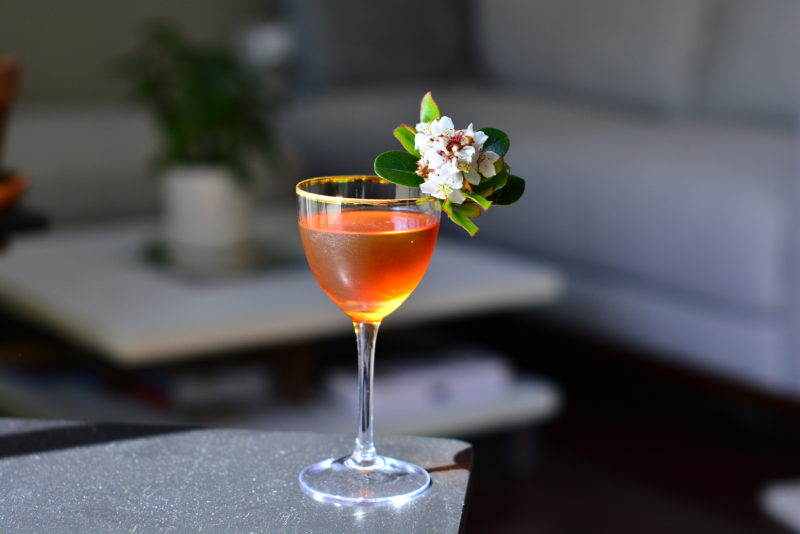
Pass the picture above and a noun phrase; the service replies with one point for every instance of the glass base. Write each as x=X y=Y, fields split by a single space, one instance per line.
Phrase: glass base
x=343 y=481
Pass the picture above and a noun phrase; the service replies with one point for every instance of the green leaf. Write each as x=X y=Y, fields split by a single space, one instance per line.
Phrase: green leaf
x=398 y=167
x=499 y=165
x=428 y=109
x=461 y=219
x=498 y=141
x=209 y=107
x=498 y=181
x=405 y=134
x=510 y=193
x=471 y=210
x=479 y=200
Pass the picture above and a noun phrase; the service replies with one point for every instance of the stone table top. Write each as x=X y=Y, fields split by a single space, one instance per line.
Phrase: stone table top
x=71 y=477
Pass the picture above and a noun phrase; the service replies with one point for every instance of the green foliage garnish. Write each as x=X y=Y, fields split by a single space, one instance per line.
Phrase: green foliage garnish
x=399 y=167
x=498 y=141
x=429 y=109
x=510 y=193
x=462 y=216
x=465 y=169
x=405 y=134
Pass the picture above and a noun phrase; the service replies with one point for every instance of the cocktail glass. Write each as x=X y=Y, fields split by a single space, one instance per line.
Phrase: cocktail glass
x=368 y=243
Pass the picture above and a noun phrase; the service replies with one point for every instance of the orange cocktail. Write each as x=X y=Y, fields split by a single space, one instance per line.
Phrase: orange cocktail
x=369 y=261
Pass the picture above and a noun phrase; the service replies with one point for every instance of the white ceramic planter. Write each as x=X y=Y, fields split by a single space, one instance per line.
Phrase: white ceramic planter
x=208 y=220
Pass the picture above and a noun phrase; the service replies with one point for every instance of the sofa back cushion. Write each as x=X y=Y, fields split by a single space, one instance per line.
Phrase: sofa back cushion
x=753 y=67
x=642 y=51
x=346 y=42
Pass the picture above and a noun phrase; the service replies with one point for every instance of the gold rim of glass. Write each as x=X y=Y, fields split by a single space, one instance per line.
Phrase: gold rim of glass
x=300 y=189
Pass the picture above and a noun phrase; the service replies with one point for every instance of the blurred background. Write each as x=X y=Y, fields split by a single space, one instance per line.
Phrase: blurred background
x=643 y=375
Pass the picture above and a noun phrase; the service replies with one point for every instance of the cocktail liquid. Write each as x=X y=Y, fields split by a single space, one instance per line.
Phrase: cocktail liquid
x=369 y=261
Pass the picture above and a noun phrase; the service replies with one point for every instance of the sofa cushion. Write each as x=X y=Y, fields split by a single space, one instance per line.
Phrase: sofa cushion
x=752 y=68
x=681 y=207
x=676 y=206
x=642 y=51
x=351 y=41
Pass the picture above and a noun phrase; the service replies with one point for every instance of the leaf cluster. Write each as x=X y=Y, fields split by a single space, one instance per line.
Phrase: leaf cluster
x=208 y=106
x=502 y=189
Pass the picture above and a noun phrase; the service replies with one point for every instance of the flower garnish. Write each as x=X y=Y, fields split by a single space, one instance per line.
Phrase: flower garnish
x=452 y=165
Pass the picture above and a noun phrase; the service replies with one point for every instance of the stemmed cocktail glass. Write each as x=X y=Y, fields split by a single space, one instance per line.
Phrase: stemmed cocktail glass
x=368 y=242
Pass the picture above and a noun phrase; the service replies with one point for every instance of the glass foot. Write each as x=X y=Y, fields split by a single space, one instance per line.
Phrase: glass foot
x=341 y=480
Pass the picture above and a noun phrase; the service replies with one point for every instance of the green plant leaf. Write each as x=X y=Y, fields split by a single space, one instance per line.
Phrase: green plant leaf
x=479 y=200
x=509 y=194
x=498 y=181
x=471 y=210
x=461 y=219
x=498 y=141
x=398 y=167
x=499 y=165
x=428 y=109
x=405 y=134
x=210 y=108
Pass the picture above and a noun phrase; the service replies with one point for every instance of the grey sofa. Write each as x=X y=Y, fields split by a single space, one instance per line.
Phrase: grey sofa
x=658 y=142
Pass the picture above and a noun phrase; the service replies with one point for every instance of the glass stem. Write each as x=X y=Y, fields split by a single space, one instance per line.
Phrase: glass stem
x=366 y=334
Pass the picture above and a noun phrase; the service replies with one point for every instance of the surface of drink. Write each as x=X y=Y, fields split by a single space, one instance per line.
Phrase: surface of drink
x=368 y=261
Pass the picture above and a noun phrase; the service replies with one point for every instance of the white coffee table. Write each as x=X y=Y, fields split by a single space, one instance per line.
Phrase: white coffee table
x=92 y=285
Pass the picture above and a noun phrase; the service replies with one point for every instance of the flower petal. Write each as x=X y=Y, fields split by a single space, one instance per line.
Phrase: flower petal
x=456 y=196
x=442 y=126
x=465 y=153
x=472 y=176
x=486 y=162
x=479 y=139
x=432 y=188
x=421 y=141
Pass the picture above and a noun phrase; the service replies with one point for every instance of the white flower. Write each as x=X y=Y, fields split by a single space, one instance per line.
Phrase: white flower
x=456 y=196
x=472 y=176
x=433 y=134
x=444 y=185
x=463 y=155
x=435 y=128
x=421 y=142
x=485 y=163
x=470 y=137
x=449 y=156
x=443 y=191
x=480 y=139
x=436 y=152
x=453 y=179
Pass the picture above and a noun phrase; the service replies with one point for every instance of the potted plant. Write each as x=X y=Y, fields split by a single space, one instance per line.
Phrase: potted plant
x=212 y=112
